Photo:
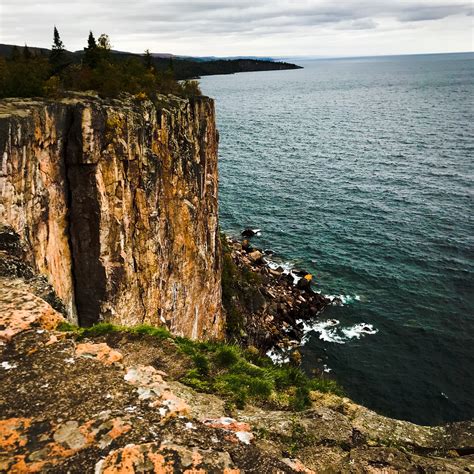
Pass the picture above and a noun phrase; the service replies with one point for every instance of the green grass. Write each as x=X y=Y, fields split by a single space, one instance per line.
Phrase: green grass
x=238 y=375
x=101 y=329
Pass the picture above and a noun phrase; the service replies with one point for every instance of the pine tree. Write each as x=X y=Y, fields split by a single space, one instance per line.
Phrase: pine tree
x=91 y=43
x=56 y=57
x=58 y=45
x=148 y=60
x=91 y=53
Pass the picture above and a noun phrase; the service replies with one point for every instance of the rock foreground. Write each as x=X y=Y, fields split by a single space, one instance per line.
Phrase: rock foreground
x=113 y=405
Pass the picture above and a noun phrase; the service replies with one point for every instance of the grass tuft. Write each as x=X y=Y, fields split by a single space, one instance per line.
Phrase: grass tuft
x=227 y=356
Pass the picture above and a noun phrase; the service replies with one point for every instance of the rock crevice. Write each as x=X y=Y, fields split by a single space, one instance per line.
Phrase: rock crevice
x=117 y=202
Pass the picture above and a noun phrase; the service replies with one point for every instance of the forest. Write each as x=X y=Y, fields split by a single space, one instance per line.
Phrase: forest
x=37 y=72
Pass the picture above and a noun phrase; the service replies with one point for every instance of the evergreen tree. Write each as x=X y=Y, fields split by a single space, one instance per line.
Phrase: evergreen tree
x=91 y=53
x=58 y=45
x=91 y=43
x=148 y=60
x=56 y=57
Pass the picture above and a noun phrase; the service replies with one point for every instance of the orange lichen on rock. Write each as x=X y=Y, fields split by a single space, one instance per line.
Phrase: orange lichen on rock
x=61 y=443
x=228 y=424
x=165 y=458
x=101 y=352
x=160 y=464
x=298 y=466
x=170 y=405
x=21 y=310
x=13 y=433
x=124 y=460
x=238 y=431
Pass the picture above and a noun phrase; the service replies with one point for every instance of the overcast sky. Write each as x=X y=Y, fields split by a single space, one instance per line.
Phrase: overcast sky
x=246 y=27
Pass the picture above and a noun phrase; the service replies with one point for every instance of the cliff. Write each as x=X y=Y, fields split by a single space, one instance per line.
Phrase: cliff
x=115 y=402
x=117 y=204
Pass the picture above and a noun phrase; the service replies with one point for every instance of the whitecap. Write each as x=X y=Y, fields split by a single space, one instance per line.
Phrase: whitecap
x=342 y=300
x=332 y=331
x=358 y=330
x=278 y=357
x=286 y=266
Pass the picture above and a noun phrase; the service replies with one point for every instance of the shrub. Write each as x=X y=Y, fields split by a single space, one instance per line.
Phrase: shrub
x=227 y=356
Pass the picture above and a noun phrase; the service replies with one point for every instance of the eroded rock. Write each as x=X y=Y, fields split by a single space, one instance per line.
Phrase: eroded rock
x=116 y=201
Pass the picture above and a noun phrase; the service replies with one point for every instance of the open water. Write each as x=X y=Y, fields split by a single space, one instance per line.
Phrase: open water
x=361 y=171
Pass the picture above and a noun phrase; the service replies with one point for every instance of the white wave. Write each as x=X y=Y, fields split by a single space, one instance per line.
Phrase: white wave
x=358 y=330
x=286 y=266
x=278 y=357
x=288 y=269
x=342 y=300
x=332 y=331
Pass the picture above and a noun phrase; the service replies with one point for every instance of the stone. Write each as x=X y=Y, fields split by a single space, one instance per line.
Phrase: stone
x=21 y=310
x=255 y=257
x=250 y=232
x=101 y=352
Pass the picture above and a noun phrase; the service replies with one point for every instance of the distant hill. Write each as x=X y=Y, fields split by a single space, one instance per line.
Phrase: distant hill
x=183 y=67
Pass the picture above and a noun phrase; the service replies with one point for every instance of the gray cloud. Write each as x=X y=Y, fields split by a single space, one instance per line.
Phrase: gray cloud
x=214 y=25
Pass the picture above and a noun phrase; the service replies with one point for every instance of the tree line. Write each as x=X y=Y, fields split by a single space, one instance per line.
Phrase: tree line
x=27 y=73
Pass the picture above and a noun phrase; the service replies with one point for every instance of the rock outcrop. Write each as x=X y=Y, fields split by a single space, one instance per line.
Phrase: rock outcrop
x=117 y=203
x=113 y=404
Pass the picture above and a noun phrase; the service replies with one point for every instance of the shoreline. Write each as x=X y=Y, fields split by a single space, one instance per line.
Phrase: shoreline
x=278 y=304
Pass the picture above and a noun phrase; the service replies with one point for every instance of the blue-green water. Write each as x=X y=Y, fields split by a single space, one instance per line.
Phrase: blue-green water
x=361 y=171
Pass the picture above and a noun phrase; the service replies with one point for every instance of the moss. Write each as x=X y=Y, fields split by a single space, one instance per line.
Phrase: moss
x=159 y=332
x=67 y=327
x=113 y=127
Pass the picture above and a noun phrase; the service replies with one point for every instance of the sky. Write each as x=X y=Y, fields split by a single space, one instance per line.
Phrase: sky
x=278 y=28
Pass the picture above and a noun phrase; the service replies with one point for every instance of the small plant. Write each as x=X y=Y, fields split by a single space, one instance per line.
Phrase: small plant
x=202 y=364
x=227 y=356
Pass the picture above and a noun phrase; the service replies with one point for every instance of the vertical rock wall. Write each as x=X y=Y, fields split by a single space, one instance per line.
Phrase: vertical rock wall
x=118 y=203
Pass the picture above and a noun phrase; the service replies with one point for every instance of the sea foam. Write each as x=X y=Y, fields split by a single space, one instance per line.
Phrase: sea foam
x=332 y=331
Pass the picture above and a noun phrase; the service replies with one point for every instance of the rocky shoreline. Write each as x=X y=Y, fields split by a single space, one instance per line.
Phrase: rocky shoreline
x=280 y=300
x=115 y=403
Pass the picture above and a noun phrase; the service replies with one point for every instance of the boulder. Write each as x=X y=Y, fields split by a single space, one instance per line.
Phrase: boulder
x=250 y=232
x=256 y=257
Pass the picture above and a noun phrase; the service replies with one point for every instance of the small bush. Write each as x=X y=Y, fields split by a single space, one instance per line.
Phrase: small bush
x=227 y=356
x=202 y=364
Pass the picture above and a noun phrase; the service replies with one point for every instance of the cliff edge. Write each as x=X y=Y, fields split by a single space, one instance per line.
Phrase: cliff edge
x=115 y=402
x=116 y=201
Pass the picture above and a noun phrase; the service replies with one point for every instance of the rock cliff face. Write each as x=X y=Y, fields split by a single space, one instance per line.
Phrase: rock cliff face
x=117 y=202
x=115 y=403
